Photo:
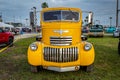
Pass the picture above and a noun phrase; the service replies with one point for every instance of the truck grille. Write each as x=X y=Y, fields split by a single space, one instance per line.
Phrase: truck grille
x=60 y=54
x=61 y=41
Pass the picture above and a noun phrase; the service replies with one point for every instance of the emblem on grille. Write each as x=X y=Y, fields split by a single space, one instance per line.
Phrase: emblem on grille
x=61 y=31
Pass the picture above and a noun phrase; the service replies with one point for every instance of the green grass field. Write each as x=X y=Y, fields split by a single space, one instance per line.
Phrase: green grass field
x=14 y=65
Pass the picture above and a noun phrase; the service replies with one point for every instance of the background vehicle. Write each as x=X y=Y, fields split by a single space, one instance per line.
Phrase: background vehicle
x=61 y=47
x=96 y=30
x=6 y=37
x=116 y=32
x=26 y=29
x=110 y=29
x=6 y=27
x=84 y=29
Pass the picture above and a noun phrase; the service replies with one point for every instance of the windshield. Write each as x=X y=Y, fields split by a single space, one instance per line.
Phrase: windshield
x=61 y=16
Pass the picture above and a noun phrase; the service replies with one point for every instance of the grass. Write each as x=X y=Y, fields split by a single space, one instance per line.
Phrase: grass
x=14 y=65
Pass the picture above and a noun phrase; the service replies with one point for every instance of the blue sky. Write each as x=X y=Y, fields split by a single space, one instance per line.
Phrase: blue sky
x=18 y=10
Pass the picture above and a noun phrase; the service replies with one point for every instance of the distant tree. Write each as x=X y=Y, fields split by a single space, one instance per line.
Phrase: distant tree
x=44 y=5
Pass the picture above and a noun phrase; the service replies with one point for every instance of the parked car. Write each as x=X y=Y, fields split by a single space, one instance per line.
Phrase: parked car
x=110 y=29
x=116 y=32
x=84 y=29
x=6 y=37
x=96 y=30
x=18 y=30
x=26 y=29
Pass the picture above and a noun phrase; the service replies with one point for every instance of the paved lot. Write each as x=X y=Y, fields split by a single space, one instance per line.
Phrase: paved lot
x=26 y=35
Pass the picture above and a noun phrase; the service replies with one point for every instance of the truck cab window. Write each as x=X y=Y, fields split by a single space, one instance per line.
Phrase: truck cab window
x=61 y=16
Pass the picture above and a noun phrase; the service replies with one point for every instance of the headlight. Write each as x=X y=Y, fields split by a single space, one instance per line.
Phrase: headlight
x=87 y=47
x=33 y=47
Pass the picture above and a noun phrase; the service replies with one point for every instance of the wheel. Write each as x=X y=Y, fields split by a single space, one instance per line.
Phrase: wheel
x=88 y=68
x=36 y=69
x=114 y=35
x=10 y=41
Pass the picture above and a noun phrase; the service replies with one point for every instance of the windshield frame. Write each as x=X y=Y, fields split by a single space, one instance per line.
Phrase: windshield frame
x=61 y=16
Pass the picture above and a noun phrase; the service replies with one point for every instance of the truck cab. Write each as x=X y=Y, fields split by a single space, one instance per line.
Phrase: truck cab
x=61 y=47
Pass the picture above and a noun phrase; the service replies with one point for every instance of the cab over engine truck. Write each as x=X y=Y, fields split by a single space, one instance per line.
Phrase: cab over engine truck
x=61 y=47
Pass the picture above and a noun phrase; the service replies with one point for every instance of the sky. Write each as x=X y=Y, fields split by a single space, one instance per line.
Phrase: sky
x=18 y=10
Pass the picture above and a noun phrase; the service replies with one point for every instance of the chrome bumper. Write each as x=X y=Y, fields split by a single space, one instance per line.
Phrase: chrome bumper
x=63 y=69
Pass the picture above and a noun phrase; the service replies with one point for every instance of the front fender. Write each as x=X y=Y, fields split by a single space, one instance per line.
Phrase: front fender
x=34 y=57
x=86 y=57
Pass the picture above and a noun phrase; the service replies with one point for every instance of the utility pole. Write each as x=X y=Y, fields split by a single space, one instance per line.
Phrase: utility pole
x=35 y=19
x=117 y=12
x=110 y=21
x=26 y=22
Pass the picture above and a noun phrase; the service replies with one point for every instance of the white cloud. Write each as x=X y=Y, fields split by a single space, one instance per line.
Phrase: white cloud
x=53 y=0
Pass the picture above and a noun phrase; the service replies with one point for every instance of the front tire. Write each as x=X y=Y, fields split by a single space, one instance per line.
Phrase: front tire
x=88 y=68
x=10 y=41
x=35 y=69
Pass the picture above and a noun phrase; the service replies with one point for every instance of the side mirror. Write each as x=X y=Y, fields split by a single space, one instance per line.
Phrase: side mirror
x=38 y=38
x=84 y=38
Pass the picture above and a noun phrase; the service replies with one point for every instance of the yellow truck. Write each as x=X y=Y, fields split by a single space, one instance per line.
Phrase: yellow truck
x=61 y=47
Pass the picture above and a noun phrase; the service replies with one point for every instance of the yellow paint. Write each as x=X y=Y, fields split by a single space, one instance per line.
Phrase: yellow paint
x=85 y=58
x=3 y=49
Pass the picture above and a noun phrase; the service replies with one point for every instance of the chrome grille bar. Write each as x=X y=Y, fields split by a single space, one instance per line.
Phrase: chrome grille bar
x=61 y=41
x=60 y=54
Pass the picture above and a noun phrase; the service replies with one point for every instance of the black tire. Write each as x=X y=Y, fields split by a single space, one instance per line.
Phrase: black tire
x=10 y=41
x=119 y=48
x=88 y=68
x=35 y=69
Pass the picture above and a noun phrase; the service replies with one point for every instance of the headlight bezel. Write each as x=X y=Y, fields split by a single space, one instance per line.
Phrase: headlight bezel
x=87 y=47
x=33 y=47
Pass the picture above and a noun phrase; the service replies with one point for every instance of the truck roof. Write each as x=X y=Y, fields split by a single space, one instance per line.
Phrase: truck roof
x=61 y=8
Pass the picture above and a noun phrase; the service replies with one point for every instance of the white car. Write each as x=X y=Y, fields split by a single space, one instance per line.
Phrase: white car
x=116 y=32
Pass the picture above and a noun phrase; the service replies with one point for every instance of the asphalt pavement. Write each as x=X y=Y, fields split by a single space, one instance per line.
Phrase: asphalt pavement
x=26 y=35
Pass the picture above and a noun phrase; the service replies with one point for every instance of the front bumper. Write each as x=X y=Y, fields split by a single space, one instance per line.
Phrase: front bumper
x=63 y=69
x=95 y=34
